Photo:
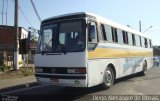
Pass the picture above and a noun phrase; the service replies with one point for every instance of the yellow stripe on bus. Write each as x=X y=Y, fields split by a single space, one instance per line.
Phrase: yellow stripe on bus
x=117 y=53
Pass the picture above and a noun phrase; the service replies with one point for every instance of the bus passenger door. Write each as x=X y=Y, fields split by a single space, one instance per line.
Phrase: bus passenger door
x=93 y=64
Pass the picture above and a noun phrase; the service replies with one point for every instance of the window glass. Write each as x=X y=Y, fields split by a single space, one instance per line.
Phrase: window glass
x=143 y=42
x=140 y=41
x=108 y=32
x=114 y=35
x=146 y=43
x=66 y=36
x=103 y=32
x=62 y=38
x=150 y=43
x=137 y=40
x=125 y=37
x=130 y=39
x=133 y=39
x=47 y=37
x=70 y=36
x=120 y=36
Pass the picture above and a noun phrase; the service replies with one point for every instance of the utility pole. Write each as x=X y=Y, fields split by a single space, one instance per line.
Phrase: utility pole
x=140 y=26
x=16 y=37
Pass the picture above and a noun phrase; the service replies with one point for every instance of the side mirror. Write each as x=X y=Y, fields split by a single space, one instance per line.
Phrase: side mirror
x=92 y=32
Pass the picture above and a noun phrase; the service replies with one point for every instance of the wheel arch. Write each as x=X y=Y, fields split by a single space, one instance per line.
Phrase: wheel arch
x=113 y=68
x=145 y=61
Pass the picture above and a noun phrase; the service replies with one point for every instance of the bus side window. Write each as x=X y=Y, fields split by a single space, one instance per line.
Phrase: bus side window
x=143 y=42
x=125 y=37
x=92 y=35
x=120 y=36
x=114 y=35
x=133 y=39
x=146 y=43
x=130 y=39
x=140 y=41
x=137 y=41
x=108 y=32
x=150 y=43
x=103 y=32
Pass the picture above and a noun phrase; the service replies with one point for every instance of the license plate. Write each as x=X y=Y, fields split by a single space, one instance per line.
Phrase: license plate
x=54 y=80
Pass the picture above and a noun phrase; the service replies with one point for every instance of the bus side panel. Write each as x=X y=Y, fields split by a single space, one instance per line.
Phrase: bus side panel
x=126 y=66
x=132 y=65
x=149 y=61
x=96 y=68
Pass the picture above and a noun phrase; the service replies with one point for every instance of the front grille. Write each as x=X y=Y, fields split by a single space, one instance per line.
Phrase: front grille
x=54 y=70
x=59 y=70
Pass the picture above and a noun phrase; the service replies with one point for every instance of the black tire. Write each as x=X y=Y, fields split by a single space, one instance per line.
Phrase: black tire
x=144 y=71
x=108 y=78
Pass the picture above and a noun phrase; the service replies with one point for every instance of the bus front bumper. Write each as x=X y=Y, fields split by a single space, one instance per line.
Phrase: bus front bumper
x=62 y=80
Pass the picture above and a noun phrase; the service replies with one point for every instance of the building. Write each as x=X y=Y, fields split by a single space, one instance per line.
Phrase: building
x=7 y=43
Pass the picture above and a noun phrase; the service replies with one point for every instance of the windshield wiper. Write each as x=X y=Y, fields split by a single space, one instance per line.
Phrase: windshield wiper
x=43 y=52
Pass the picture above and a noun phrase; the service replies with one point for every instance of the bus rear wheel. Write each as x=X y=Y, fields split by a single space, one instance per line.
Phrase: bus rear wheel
x=144 y=71
x=108 y=78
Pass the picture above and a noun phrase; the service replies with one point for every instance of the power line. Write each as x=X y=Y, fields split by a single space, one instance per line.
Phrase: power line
x=25 y=16
x=34 y=7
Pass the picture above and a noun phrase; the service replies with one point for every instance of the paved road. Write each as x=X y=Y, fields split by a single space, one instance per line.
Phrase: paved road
x=131 y=85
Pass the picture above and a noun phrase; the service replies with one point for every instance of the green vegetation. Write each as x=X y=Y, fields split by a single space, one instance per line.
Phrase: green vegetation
x=10 y=74
x=20 y=62
x=4 y=68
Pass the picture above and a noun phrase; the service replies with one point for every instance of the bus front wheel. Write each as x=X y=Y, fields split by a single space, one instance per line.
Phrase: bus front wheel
x=108 y=78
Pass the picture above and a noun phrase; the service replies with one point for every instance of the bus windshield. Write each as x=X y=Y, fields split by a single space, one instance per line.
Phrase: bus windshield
x=63 y=36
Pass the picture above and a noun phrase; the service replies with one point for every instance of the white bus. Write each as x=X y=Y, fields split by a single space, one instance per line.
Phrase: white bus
x=84 y=50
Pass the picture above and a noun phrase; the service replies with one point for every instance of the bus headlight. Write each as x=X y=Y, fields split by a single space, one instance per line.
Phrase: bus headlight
x=39 y=70
x=76 y=70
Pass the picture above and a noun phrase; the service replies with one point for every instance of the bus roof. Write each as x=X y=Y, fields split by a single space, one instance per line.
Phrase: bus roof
x=104 y=21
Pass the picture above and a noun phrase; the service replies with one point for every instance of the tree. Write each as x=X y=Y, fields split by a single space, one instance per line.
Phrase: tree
x=33 y=37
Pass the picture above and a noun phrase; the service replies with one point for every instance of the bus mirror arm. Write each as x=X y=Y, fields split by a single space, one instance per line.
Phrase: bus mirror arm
x=43 y=52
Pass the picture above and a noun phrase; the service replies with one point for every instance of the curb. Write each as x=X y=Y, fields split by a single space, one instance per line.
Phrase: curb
x=3 y=90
